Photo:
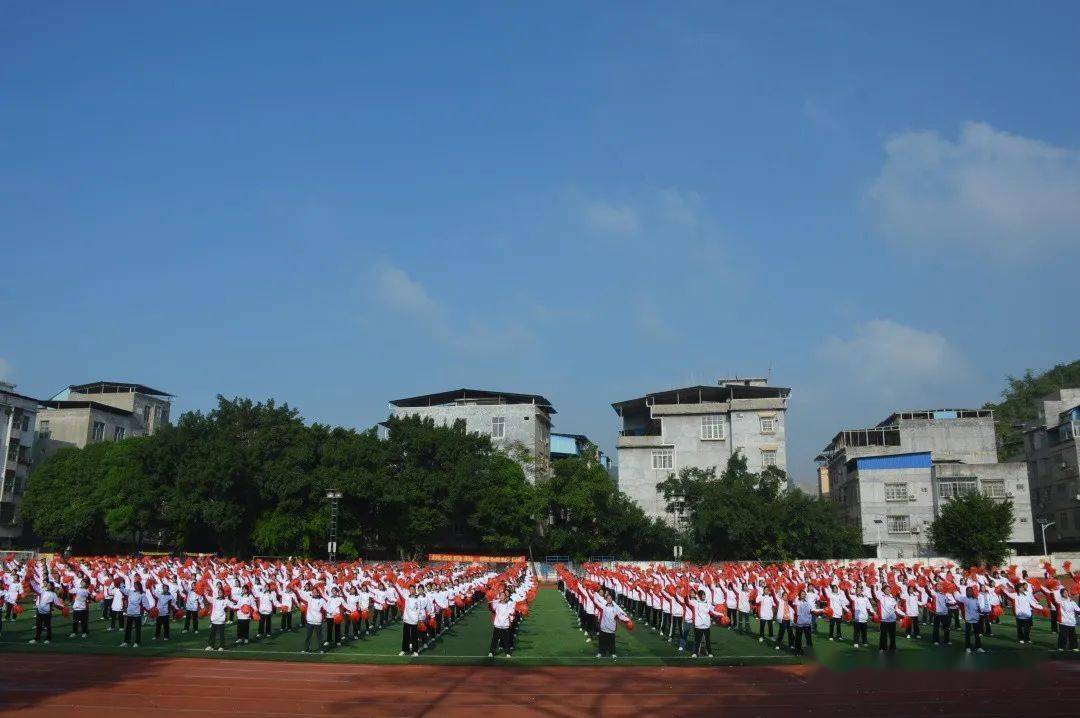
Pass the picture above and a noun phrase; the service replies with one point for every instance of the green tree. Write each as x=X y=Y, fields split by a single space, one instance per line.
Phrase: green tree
x=1019 y=403
x=973 y=529
x=61 y=501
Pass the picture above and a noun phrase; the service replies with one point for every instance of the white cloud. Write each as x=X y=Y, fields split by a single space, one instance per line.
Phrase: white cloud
x=682 y=207
x=5 y=369
x=611 y=218
x=988 y=190
x=893 y=360
x=394 y=290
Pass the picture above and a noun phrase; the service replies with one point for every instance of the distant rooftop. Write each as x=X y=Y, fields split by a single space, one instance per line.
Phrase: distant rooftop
x=936 y=414
x=55 y=404
x=474 y=396
x=744 y=389
x=116 y=387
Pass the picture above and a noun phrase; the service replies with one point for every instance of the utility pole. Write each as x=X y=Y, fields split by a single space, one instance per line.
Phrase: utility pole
x=331 y=546
x=1045 y=525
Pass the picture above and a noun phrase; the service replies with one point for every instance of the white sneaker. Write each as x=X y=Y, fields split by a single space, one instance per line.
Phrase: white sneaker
x=597 y=655
x=710 y=655
x=32 y=641
x=46 y=641
x=693 y=655
x=981 y=650
x=134 y=645
x=415 y=653
x=209 y=648
x=968 y=650
x=221 y=648
x=490 y=655
x=72 y=636
x=613 y=656
x=123 y=645
x=588 y=640
x=761 y=640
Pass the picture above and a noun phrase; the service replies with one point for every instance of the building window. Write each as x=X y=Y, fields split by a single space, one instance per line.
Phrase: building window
x=952 y=488
x=712 y=426
x=896 y=492
x=993 y=489
x=118 y=433
x=146 y=414
x=13 y=451
x=768 y=424
x=1063 y=521
x=663 y=459
x=498 y=427
x=26 y=422
x=768 y=458
x=1036 y=440
x=899 y=524
x=98 y=431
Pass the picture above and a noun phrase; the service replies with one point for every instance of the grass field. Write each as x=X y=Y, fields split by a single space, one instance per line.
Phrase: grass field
x=550 y=637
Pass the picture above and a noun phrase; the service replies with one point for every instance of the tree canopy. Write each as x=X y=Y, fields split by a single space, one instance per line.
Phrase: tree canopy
x=1019 y=402
x=251 y=478
x=973 y=529
x=743 y=515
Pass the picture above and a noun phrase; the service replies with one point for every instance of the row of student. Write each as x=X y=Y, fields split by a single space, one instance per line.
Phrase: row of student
x=344 y=603
x=672 y=601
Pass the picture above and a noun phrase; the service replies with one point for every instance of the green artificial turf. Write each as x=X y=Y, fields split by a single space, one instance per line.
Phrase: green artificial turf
x=550 y=636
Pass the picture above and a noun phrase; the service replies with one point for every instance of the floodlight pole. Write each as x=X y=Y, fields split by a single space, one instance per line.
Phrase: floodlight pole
x=1045 y=525
x=331 y=546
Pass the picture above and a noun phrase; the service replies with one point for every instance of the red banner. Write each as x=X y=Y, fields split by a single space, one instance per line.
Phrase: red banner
x=467 y=558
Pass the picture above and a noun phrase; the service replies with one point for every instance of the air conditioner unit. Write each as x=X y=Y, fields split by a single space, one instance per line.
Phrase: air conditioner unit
x=912 y=497
x=1008 y=495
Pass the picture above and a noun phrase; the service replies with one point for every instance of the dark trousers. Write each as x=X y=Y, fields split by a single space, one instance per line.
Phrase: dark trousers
x=132 y=626
x=243 y=629
x=43 y=623
x=265 y=628
x=941 y=623
x=310 y=628
x=955 y=614
x=333 y=631
x=161 y=626
x=860 y=634
x=217 y=635
x=80 y=622
x=1023 y=629
x=762 y=623
x=500 y=636
x=607 y=644
x=702 y=634
x=410 y=637
x=191 y=621
x=913 y=627
x=987 y=624
x=887 y=636
x=785 y=633
x=286 y=621
x=1066 y=637
x=801 y=633
x=834 y=628
x=971 y=629
x=116 y=619
x=744 y=621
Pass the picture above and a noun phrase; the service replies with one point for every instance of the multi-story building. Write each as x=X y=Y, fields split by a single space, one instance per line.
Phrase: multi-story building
x=697 y=426
x=891 y=480
x=514 y=422
x=1053 y=455
x=101 y=411
x=17 y=426
x=823 y=481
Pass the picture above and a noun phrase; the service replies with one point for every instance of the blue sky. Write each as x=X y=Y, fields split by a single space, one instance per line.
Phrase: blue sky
x=341 y=204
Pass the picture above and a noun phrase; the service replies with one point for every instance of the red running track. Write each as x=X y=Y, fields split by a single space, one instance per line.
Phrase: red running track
x=92 y=686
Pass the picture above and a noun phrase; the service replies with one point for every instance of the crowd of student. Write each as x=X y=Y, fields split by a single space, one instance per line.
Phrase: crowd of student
x=787 y=601
x=334 y=603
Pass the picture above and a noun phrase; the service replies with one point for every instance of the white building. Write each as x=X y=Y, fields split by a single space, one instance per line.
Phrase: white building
x=698 y=426
x=513 y=421
x=18 y=422
x=891 y=480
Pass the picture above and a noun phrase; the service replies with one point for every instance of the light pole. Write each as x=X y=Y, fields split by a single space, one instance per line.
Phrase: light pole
x=916 y=530
x=331 y=546
x=1045 y=525
x=678 y=553
x=877 y=553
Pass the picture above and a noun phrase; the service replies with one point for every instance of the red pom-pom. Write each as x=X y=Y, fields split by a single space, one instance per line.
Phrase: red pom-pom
x=354 y=616
x=17 y=610
x=284 y=609
x=364 y=614
x=422 y=626
x=630 y=625
x=338 y=619
x=154 y=612
x=204 y=612
x=65 y=611
x=245 y=611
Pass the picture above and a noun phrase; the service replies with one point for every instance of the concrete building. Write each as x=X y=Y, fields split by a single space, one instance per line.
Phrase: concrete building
x=18 y=422
x=101 y=411
x=1053 y=455
x=513 y=421
x=823 y=481
x=892 y=479
x=698 y=426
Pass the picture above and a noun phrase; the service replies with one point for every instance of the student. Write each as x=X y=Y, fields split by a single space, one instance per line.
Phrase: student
x=411 y=616
x=219 y=615
x=285 y=602
x=502 y=613
x=702 y=613
x=116 y=606
x=969 y=605
x=785 y=613
x=1067 y=609
x=838 y=603
x=164 y=602
x=264 y=600
x=941 y=614
x=911 y=604
x=80 y=610
x=334 y=605
x=136 y=602
x=804 y=617
x=1023 y=603
x=609 y=614
x=313 y=614
x=245 y=608
x=192 y=603
x=766 y=613
x=888 y=609
x=860 y=614
x=44 y=603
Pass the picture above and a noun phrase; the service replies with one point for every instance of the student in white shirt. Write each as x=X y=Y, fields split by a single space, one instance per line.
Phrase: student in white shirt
x=837 y=603
x=1023 y=604
x=43 y=605
x=192 y=603
x=969 y=605
x=766 y=613
x=164 y=602
x=219 y=606
x=411 y=616
x=609 y=614
x=137 y=602
x=860 y=614
x=80 y=610
x=1067 y=609
x=502 y=613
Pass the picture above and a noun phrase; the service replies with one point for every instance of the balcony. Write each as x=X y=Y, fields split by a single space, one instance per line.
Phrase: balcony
x=637 y=441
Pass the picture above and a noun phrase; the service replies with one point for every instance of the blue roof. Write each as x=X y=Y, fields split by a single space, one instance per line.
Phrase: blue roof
x=920 y=460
